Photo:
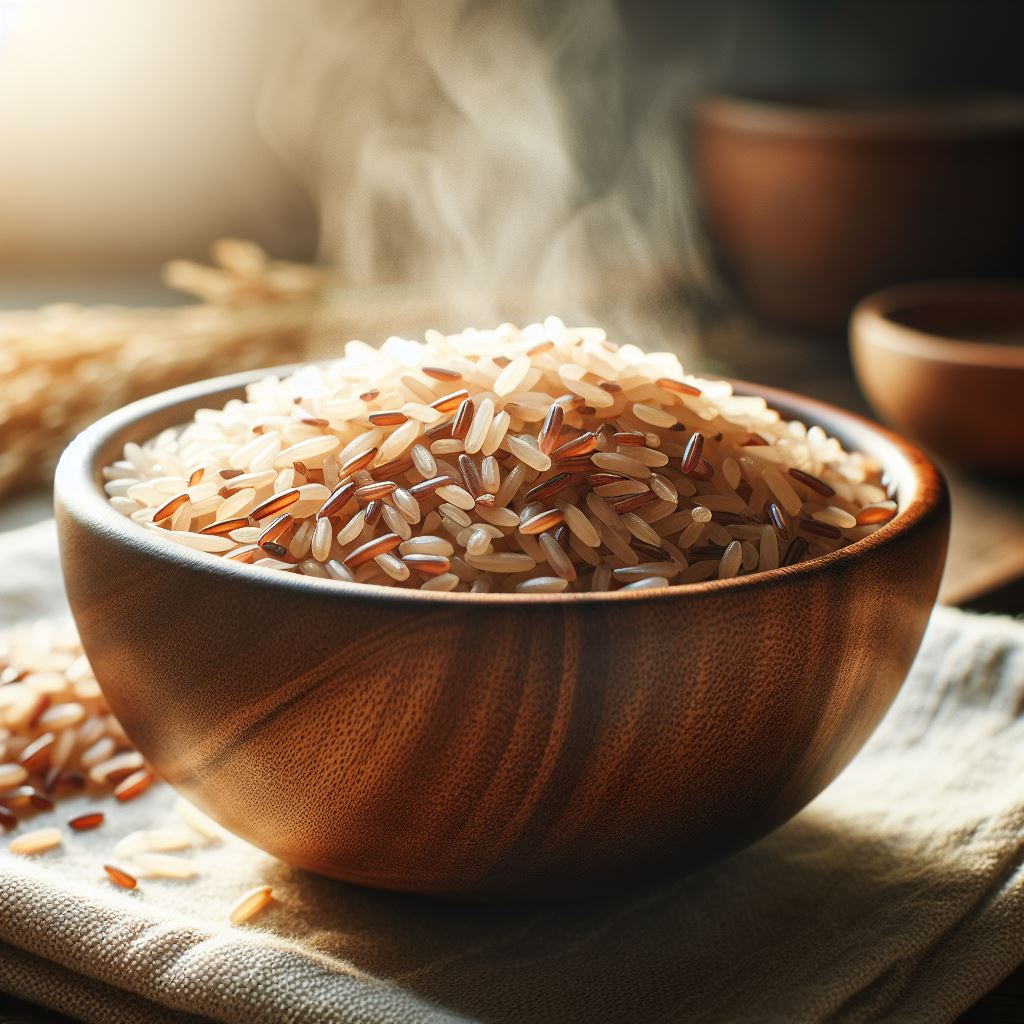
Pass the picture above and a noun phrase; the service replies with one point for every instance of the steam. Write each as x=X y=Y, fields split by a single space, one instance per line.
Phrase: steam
x=492 y=155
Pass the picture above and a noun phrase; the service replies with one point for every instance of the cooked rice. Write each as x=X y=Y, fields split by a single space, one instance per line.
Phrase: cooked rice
x=539 y=460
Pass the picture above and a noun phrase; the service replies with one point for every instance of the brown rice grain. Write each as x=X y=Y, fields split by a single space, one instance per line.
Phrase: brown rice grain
x=378 y=546
x=584 y=444
x=35 y=757
x=133 y=786
x=629 y=438
x=388 y=418
x=812 y=482
x=357 y=462
x=542 y=521
x=275 y=504
x=169 y=508
x=795 y=552
x=87 y=822
x=881 y=512
x=692 y=453
x=819 y=529
x=441 y=373
x=120 y=877
x=451 y=402
x=369 y=492
x=427 y=564
x=631 y=502
x=547 y=439
x=677 y=387
x=463 y=420
x=471 y=476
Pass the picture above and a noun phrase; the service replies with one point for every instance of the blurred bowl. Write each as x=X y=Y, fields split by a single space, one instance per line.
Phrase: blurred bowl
x=814 y=204
x=944 y=363
x=494 y=745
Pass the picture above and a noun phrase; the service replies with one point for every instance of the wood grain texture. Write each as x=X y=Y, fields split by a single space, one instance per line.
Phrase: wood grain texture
x=925 y=357
x=494 y=745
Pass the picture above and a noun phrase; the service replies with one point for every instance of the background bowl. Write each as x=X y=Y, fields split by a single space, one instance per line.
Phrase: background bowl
x=944 y=362
x=494 y=745
x=814 y=203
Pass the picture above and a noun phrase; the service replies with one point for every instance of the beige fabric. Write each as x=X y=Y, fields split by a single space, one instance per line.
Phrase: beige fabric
x=897 y=895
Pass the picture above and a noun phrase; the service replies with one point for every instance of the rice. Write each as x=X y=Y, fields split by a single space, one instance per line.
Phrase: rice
x=486 y=460
x=57 y=736
x=165 y=865
x=249 y=904
x=87 y=822
x=120 y=877
x=37 y=841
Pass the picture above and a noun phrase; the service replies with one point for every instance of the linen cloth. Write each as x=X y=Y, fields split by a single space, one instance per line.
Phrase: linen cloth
x=897 y=895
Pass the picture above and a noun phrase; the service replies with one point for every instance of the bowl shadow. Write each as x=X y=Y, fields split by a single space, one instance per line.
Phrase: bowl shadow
x=806 y=916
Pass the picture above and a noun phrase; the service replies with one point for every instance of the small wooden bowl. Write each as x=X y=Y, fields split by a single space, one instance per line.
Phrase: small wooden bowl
x=929 y=359
x=494 y=745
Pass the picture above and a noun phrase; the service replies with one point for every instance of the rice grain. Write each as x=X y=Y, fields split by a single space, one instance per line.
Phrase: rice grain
x=250 y=904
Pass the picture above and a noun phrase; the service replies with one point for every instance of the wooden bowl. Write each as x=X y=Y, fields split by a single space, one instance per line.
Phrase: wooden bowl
x=944 y=363
x=494 y=745
x=814 y=203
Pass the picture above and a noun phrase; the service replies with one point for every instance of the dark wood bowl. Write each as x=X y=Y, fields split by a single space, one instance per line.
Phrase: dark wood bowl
x=814 y=202
x=494 y=745
x=943 y=361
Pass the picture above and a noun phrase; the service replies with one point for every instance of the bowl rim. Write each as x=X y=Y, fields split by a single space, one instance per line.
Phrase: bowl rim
x=78 y=493
x=978 y=114
x=871 y=321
